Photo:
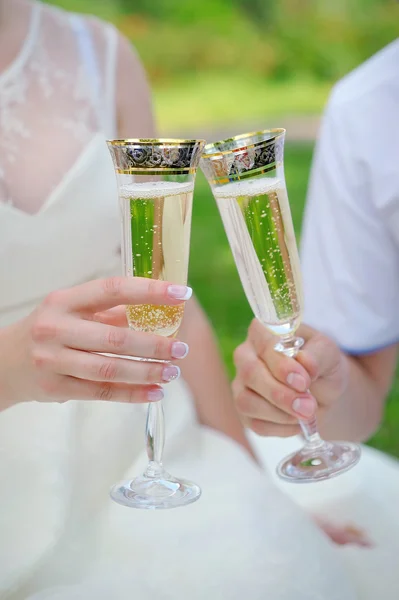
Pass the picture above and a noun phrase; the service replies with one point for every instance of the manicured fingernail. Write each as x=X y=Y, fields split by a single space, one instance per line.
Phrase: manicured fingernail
x=296 y=381
x=180 y=292
x=179 y=350
x=155 y=395
x=304 y=407
x=170 y=373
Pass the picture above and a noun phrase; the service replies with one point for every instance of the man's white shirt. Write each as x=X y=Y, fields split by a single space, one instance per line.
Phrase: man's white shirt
x=350 y=243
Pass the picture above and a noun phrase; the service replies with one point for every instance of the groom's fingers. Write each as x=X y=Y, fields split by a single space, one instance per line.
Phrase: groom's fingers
x=254 y=375
x=251 y=405
x=267 y=429
x=284 y=369
x=320 y=356
x=102 y=294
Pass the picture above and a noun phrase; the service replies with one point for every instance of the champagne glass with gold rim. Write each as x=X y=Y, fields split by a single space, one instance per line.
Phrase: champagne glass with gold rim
x=155 y=186
x=246 y=174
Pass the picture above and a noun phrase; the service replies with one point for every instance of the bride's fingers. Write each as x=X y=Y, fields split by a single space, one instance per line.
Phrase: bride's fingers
x=97 y=337
x=102 y=294
x=65 y=388
x=96 y=367
x=114 y=316
x=253 y=406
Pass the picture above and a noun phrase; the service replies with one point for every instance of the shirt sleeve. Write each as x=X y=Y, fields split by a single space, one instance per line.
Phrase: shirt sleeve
x=349 y=260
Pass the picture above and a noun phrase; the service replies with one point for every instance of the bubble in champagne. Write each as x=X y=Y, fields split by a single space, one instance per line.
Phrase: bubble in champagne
x=150 y=318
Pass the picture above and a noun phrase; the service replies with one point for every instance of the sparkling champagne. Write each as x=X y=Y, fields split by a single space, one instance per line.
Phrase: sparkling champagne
x=157 y=222
x=258 y=223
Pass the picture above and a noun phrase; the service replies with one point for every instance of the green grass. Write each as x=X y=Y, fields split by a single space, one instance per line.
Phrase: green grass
x=213 y=100
x=214 y=278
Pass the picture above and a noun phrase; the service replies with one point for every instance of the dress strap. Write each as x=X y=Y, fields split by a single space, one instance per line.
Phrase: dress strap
x=89 y=60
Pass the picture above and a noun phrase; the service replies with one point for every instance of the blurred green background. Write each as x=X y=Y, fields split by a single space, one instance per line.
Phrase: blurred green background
x=219 y=67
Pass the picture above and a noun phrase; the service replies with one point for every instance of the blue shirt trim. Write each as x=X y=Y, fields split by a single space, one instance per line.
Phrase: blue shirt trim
x=372 y=350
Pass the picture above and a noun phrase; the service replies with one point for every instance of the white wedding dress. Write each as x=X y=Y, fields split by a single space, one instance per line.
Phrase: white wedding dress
x=61 y=538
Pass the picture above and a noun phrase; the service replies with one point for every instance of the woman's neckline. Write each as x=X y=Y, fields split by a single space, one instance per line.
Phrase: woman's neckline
x=25 y=49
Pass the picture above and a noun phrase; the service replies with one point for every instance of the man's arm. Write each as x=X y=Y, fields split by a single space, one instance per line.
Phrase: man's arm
x=358 y=412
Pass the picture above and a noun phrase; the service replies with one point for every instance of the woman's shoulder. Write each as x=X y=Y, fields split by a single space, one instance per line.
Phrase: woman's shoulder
x=104 y=35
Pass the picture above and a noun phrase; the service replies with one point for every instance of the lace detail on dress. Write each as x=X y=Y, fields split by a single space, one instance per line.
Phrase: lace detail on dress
x=48 y=112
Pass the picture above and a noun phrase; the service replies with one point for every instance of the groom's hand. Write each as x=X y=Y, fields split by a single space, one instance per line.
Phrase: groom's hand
x=273 y=391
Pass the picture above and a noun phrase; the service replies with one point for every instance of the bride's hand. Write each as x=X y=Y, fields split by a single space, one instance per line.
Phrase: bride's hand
x=51 y=355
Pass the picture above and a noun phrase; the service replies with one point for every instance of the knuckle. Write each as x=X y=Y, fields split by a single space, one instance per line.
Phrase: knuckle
x=112 y=286
x=154 y=373
x=40 y=359
x=108 y=370
x=326 y=342
x=259 y=335
x=135 y=396
x=162 y=348
x=53 y=298
x=243 y=401
x=332 y=350
x=239 y=354
x=278 y=396
x=154 y=288
x=116 y=338
x=44 y=329
x=253 y=328
x=313 y=369
x=248 y=370
x=104 y=392
x=281 y=369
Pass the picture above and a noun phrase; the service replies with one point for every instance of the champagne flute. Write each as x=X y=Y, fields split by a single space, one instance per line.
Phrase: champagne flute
x=155 y=186
x=246 y=174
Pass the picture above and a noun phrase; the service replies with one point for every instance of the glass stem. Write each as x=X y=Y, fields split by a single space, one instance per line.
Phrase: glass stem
x=310 y=433
x=290 y=346
x=155 y=438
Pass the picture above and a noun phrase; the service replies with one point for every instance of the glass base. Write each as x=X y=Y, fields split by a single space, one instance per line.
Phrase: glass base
x=158 y=491
x=317 y=464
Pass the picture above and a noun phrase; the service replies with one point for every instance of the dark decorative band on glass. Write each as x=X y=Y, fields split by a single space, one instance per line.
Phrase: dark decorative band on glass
x=155 y=156
x=243 y=156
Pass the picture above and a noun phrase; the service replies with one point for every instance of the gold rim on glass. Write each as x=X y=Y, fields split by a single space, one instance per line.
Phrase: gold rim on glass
x=277 y=132
x=243 y=156
x=154 y=142
x=155 y=156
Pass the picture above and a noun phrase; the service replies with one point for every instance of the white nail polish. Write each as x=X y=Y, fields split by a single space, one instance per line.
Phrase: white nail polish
x=180 y=292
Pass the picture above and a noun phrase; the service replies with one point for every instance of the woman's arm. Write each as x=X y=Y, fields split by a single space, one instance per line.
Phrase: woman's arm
x=204 y=371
